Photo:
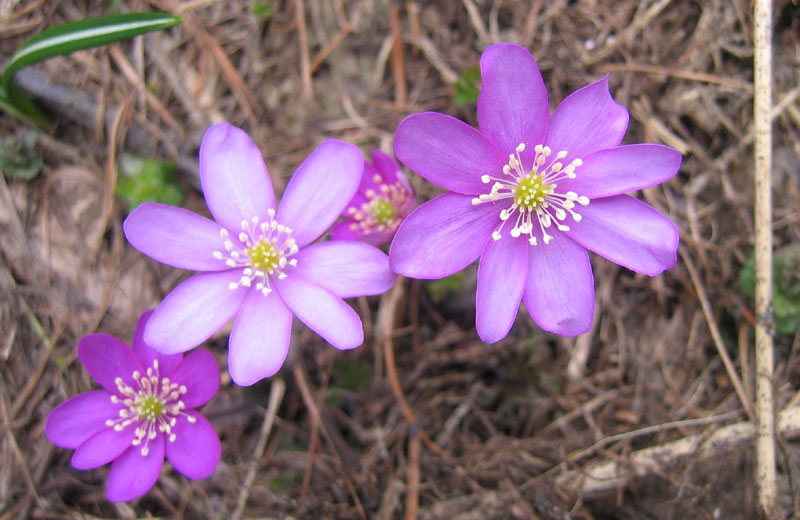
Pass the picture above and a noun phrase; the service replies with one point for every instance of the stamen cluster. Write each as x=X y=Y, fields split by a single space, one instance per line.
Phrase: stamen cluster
x=381 y=212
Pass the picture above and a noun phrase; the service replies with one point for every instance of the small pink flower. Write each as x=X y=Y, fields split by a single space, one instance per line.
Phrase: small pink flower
x=145 y=413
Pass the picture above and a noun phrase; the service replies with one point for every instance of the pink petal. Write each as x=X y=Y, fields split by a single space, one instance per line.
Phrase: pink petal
x=199 y=372
x=147 y=355
x=629 y=233
x=341 y=231
x=587 y=121
x=175 y=236
x=442 y=236
x=388 y=168
x=501 y=281
x=193 y=311
x=323 y=312
x=320 y=189
x=512 y=104
x=77 y=419
x=103 y=447
x=346 y=268
x=196 y=450
x=107 y=358
x=260 y=338
x=447 y=152
x=560 y=291
x=235 y=180
x=622 y=169
x=133 y=475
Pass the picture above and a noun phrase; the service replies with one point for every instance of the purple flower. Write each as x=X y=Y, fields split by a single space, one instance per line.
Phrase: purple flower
x=258 y=263
x=530 y=194
x=145 y=412
x=383 y=200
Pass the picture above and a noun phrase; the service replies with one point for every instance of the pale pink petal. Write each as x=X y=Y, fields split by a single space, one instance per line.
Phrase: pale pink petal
x=199 y=373
x=133 y=475
x=77 y=419
x=147 y=355
x=107 y=358
x=103 y=447
x=502 y=273
x=196 y=450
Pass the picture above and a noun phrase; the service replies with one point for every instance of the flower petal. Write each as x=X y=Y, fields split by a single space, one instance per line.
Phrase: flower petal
x=501 y=282
x=193 y=311
x=260 y=338
x=322 y=311
x=103 y=447
x=559 y=294
x=447 y=152
x=341 y=231
x=175 y=236
x=199 y=372
x=629 y=233
x=196 y=450
x=78 y=418
x=148 y=355
x=587 y=121
x=442 y=236
x=235 y=180
x=132 y=475
x=346 y=268
x=622 y=169
x=320 y=189
x=389 y=169
x=107 y=358
x=512 y=104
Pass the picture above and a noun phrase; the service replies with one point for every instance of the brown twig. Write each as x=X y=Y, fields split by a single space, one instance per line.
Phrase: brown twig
x=398 y=63
x=302 y=35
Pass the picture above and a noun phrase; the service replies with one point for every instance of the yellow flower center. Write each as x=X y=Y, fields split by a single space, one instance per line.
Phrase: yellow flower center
x=383 y=210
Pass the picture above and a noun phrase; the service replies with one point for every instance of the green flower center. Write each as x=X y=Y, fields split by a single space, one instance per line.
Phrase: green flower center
x=150 y=407
x=531 y=192
x=263 y=255
x=383 y=210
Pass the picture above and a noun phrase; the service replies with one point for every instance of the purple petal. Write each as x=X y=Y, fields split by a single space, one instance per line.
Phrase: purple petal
x=341 y=231
x=501 y=282
x=622 y=169
x=323 y=312
x=388 y=168
x=235 y=180
x=193 y=311
x=199 y=372
x=147 y=355
x=629 y=233
x=346 y=268
x=132 y=475
x=103 y=447
x=512 y=104
x=107 y=358
x=442 y=236
x=447 y=152
x=260 y=338
x=587 y=121
x=175 y=236
x=560 y=291
x=77 y=419
x=196 y=450
x=320 y=189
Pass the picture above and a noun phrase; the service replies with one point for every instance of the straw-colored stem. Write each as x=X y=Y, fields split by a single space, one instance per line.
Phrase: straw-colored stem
x=765 y=408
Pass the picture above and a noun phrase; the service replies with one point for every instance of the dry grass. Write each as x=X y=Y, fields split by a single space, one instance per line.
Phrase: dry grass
x=495 y=427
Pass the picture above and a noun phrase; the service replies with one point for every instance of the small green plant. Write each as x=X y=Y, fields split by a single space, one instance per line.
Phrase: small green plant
x=785 y=287
x=146 y=180
x=18 y=156
x=467 y=87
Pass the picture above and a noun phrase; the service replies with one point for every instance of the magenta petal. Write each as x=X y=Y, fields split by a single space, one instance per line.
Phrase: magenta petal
x=175 y=236
x=196 y=450
x=388 y=168
x=501 y=282
x=442 y=236
x=447 y=152
x=132 y=475
x=341 y=231
x=629 y=233
x=320 y=189
x=622 y=169
x=77 y=419
x=346 y=268
x=199 y=373
x=103 y=447
x=323 y=312
x=193 y=311
x=260 y=338
x=560 y=291
x=107 y=358
x=147 y=355
x=587 y=121
x=235 y=180
x=512 y=104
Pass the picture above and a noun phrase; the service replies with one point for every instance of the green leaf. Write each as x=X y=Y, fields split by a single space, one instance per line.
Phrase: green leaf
x=785 y=287
x=467 y=87
x=70 y=37
x=18 y=157
x=145 y=180
x=262 y=10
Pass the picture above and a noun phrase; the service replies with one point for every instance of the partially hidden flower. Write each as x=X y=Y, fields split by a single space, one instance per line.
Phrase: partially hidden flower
x=530 y=193
x=383 y=200
x=257 y=260
x=145 y=412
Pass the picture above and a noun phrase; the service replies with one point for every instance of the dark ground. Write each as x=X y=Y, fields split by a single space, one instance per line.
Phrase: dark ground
x=501 y=431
